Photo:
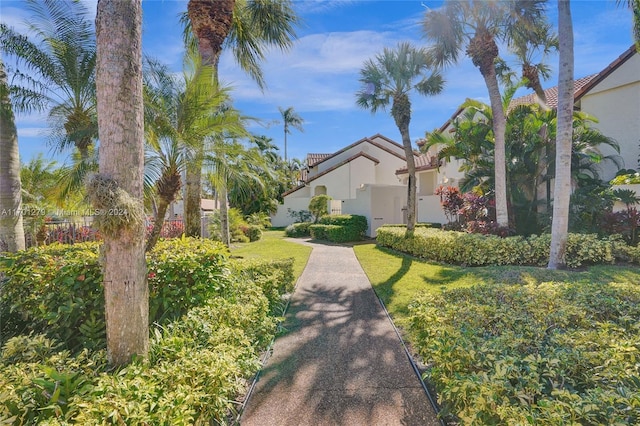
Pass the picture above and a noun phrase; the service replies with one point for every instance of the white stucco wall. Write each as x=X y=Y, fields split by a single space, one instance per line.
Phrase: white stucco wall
x=615 y=102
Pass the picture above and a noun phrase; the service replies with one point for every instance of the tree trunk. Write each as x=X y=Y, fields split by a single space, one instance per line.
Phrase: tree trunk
x=121 y=127
x=193 y=189
x=562 y=188
x=499 y=126
x=224 y=216
x=11 y=228
x=157 y=224
x=211 y=22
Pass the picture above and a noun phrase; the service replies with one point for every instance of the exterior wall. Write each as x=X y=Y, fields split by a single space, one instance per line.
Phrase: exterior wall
x=615 y=102
x=379 y=204
x=282 y=218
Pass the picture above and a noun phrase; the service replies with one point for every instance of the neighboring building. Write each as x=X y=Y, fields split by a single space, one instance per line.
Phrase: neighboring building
x=359 y=178
x=612 y=96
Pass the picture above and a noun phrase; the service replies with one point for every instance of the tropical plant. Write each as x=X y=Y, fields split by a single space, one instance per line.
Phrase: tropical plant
x=389 y=79
x=59 y=55
x=290 y=119
x=562 y=189
x=179 y=114
x=634 y=5
x=319 y=206
x=477 y=26
x=230 y=164
x=11 y=227
x=117 y=190
x=249 y=28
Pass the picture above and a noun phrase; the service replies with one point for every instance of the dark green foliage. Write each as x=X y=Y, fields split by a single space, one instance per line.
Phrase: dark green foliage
x=319 y=206
x=547 y=354
x=462 y=248
x=339 y=228
x=253 y=232
x=199 y=359
x=296 y=230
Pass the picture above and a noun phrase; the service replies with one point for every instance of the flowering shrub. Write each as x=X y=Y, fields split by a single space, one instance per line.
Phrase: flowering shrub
x=627 y=179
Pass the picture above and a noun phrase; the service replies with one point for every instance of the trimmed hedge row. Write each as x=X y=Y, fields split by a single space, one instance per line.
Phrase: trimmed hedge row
x=339 y=228
x=462 y=248
x=545 y=354
x=297 y=230
x=200 y=358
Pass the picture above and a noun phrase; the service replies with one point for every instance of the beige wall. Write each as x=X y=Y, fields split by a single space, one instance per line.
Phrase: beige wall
x=615 y=102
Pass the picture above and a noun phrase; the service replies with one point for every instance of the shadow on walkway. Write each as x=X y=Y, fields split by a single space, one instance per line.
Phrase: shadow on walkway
x=340 y=361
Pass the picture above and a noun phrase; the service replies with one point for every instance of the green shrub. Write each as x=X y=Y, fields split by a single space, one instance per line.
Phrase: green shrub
x=319 y=206
x=475 y=250
x=297 y=230
x=58 y=289
x=339 y=228
x=197 y=367
x=548 y=354
x=237 y=226
x=253 y=232
x=627 y=179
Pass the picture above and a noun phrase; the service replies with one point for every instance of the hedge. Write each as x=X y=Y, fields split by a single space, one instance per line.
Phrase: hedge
x=296 y=230
x=544 y=354
x=339 y=228
x=462 y=248
x=202 y=352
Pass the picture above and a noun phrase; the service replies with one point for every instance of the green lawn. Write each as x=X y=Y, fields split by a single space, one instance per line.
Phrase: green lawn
x=273 y=246
x=399 y=278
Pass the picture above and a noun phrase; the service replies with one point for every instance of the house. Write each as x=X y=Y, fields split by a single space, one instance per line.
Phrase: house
x=612 y=96
x=359 y=178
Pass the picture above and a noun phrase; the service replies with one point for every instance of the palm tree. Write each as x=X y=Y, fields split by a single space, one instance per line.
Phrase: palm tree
x=117 y=189
x=634 y=5
x=11 y=228
x=290 y=119
x=389 y=79
x=62 y=55
x=562 y=189
x=249 y=28
x=39 y=179
x=477 y=26
x=180 y=114
x=230 y=165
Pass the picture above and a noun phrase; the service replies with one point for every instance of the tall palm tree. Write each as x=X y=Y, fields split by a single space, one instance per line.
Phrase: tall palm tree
x=562 y=189
x=389 y=79
x=11 y=227
x=290 y=119
x=230 y=164
x=60 y=59
x=180 y=114
x=249 y=28
x=477 y=26
x=117 y=189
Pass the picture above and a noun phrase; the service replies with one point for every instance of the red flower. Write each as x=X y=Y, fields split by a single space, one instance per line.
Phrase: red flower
x=152 y=275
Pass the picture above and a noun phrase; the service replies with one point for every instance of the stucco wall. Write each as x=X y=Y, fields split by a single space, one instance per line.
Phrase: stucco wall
x=615 y=102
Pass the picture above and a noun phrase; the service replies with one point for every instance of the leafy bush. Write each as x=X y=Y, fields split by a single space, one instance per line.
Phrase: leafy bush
x=626 y=179
x=296 y=230
x=198 y=363
x=475 y=250
x=253 y=232
x=319 y=206
x=300 y=215
x=548 y=354
x=58 y=288
x=238 y=227
x=339 y=228
x=259 y=218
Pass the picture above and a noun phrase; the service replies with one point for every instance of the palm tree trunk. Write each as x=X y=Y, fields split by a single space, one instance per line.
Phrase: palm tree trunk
x=121 y=126
x=562 y=189
x=157 y=224
x=411 y=185
x=224 y=216
x=211 y=21
x=11 y=228
x=499 y=126
x=193 y=189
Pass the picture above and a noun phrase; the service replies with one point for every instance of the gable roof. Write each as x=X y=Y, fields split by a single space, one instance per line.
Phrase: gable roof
x=332 y=168
x=581 y=86
x=423 y=162
x=312 y=159
x=324 y=157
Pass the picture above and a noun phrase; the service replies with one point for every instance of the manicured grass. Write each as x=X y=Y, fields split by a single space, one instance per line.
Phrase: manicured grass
x=273 y=246
x=399 y=278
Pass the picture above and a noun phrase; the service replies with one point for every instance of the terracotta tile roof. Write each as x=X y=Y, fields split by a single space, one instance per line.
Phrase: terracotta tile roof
x=551 y=93
x=312 y=159
x=423 y=162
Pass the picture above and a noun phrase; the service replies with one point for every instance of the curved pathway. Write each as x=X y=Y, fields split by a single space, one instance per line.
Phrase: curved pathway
x=340 y=361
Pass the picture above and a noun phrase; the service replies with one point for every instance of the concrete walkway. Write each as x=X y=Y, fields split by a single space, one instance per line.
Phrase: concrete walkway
x=340 y=361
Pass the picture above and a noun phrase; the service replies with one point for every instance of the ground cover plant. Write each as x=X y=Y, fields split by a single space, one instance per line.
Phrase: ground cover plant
x=518 y=344
x=211 y=324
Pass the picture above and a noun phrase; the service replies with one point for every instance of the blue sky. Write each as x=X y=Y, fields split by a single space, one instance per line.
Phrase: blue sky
x=319 y=75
